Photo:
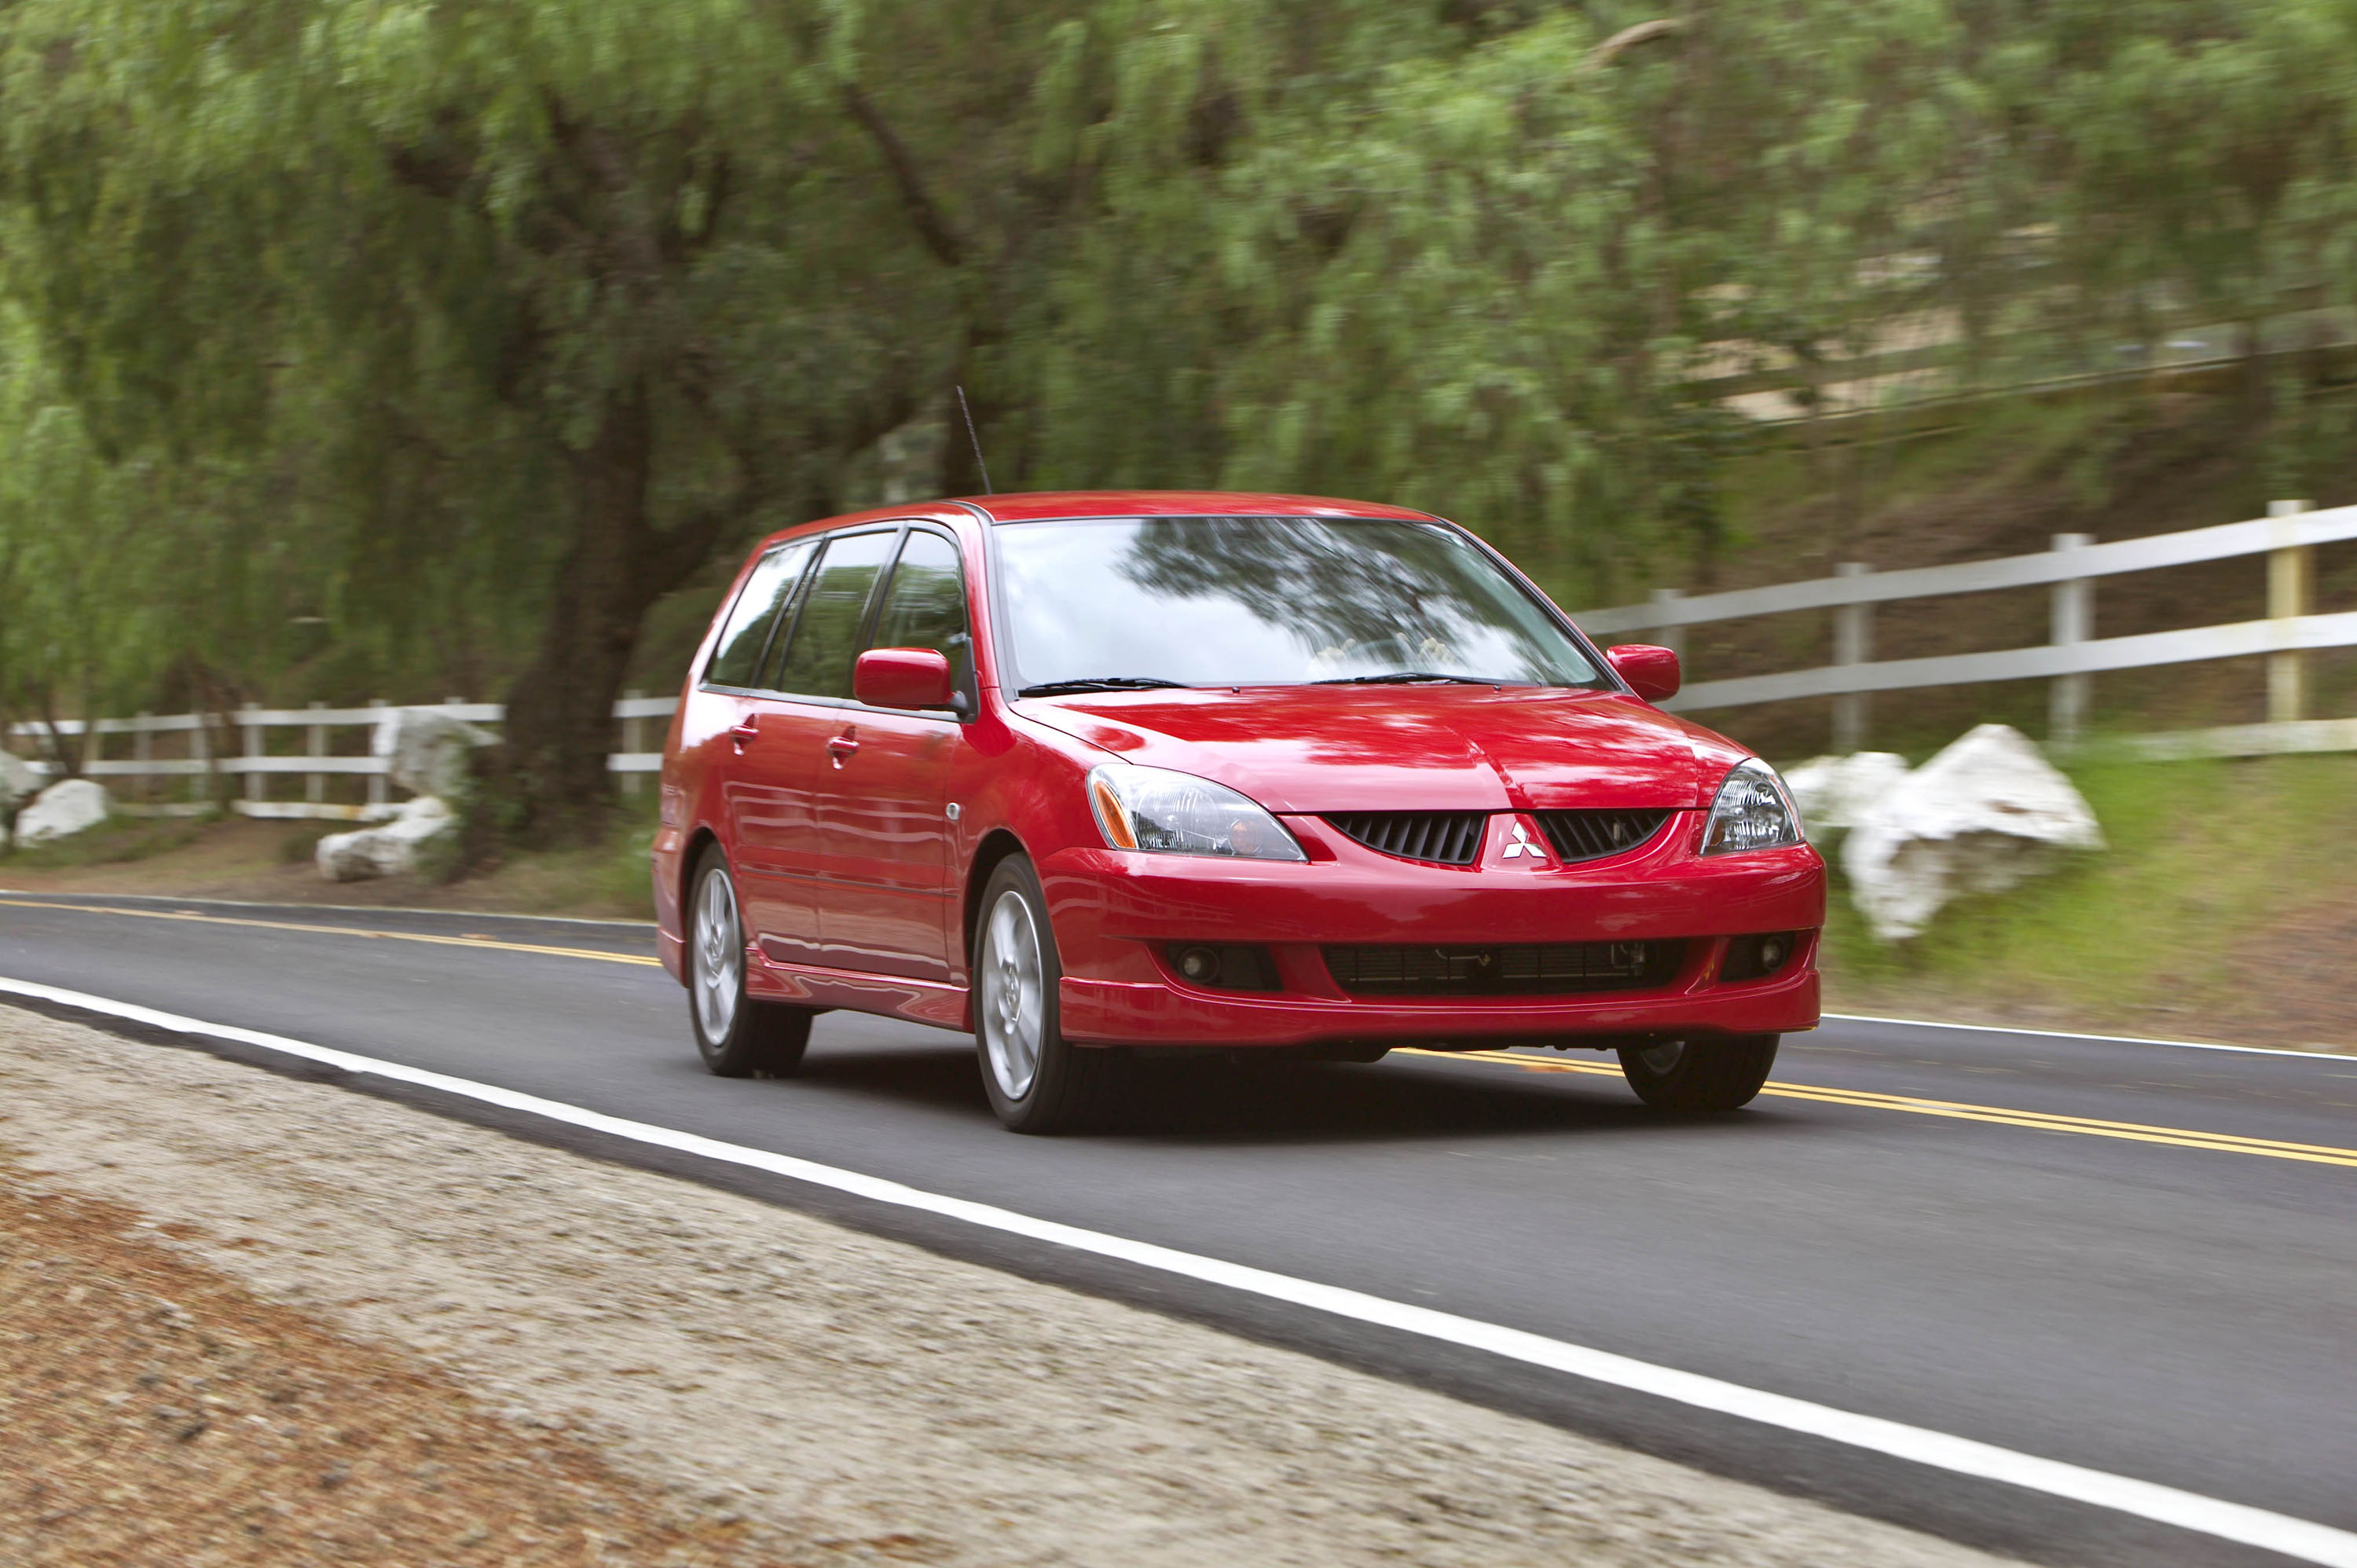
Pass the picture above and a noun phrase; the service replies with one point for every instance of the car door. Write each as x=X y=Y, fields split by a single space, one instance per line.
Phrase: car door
x=883 y=792
x=762 y=776
x=807 y=678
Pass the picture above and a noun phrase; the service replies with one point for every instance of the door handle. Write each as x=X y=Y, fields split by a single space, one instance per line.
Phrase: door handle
x=843 y=746
x=745 y=731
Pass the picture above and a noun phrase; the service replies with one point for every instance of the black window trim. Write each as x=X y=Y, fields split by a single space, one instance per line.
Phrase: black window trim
x=787 y=620
x=784 y=612
x=875 y=598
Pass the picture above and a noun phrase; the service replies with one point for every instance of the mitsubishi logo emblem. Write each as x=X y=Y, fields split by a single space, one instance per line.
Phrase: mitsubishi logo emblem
x=1523 y=845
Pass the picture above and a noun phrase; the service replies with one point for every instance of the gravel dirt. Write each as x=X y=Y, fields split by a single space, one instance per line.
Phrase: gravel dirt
x=249 y=1319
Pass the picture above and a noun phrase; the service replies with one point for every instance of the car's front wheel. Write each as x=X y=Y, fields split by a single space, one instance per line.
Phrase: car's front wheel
x=1038 y=1080
x=737 y=1036
x=1700 y=1074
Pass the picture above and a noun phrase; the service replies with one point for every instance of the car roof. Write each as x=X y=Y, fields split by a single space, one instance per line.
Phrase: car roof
x=1043 y=505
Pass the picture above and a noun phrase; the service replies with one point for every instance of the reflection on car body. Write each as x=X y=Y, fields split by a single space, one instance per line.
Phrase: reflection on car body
x=1099 y=773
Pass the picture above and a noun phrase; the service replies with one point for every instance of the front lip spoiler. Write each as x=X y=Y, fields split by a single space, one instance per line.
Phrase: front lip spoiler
x=1130 y=1012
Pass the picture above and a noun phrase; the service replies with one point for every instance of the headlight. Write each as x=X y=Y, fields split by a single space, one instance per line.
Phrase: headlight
x=1750 y=812
x=1178 y=813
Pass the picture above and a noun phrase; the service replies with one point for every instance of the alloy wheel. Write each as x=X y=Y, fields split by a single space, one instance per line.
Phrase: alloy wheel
x=719 y=957
x=1013 y=992
x=1664 y=1058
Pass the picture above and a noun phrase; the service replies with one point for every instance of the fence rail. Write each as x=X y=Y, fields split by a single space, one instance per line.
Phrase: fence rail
x=2287 y=537
x=255 y=765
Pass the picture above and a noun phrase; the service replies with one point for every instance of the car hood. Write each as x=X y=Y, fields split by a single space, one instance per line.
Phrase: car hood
x=1377 y=749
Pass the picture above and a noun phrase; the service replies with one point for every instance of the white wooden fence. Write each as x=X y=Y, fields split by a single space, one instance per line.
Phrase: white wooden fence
x=255 y=765
x=2287 y=537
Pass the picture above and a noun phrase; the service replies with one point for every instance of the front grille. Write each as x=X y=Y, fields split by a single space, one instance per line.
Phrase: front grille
x=1528 y=969
x=1592 y=835
x=1443 y=838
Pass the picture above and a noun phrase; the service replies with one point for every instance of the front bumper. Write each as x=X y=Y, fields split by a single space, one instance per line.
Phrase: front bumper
x=1116 y=914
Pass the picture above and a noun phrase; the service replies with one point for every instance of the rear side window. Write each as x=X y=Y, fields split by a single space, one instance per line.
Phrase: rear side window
x=743 y=640
x=925 y=605
x=834 y=612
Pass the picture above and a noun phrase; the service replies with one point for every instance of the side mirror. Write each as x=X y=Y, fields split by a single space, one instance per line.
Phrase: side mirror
x=904 y=678
x=1651 y=672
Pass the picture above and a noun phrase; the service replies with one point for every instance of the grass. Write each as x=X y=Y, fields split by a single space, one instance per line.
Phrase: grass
x=114 y=842
x=2205 y=859
x=272 y=861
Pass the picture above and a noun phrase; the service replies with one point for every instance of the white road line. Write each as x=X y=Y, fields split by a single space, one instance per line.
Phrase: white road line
x=2095 y=1039
x=2295 y=1538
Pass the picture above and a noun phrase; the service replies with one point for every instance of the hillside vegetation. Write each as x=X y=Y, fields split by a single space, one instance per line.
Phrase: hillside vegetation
x=403 y=348
x=2220 y=912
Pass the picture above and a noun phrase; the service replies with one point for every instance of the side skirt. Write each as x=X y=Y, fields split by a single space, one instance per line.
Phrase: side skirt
x=918 y=1001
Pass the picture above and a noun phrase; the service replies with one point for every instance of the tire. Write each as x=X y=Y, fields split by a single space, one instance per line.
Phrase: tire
x=1699 y=1076
x=1038 y=1082
x=736 y=1036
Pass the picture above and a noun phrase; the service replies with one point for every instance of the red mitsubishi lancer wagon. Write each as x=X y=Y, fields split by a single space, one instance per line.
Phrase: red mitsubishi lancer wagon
x=1088 y=775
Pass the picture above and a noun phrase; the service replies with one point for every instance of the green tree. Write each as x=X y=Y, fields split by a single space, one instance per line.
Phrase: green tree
x=598 y=276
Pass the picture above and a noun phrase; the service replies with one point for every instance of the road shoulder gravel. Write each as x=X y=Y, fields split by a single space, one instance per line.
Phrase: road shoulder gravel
x=754 y=1380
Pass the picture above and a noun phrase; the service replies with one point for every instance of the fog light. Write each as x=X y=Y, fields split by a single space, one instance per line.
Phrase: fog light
x=1199 y=964
x=1756 y=958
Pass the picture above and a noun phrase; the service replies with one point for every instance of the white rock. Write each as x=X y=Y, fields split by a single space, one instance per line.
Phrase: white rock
x=1983 y=816
x=427 y=750
x=65 y=808
x=389 y=850
x=1836 y=792
x=20 y=781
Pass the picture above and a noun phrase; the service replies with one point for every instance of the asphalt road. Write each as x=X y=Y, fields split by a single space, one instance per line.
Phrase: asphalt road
x=2090 y=1251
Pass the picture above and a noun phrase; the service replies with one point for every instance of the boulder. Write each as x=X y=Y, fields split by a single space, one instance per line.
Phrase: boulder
x=65 y=808
x=427 y=751
x=1983 y=816
x=19 y=780
x=1835 y=793
x=389 y=850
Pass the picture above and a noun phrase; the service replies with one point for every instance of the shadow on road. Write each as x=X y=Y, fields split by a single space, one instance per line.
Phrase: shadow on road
x=1215 y=1101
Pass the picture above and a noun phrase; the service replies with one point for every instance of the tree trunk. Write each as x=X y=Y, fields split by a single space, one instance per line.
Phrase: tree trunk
x=560 y=713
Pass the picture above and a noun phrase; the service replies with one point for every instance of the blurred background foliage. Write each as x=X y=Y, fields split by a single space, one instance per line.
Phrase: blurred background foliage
x=402 y=347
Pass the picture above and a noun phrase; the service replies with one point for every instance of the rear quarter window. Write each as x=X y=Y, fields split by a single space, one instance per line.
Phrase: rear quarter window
x=736 y=656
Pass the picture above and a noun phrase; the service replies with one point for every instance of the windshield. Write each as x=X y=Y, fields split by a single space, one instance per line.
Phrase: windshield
x=1262 y=601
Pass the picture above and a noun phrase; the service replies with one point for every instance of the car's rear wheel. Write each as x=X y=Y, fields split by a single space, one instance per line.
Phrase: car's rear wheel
x=1700 y=1074
x=737 y=1036
x=1038 y=1080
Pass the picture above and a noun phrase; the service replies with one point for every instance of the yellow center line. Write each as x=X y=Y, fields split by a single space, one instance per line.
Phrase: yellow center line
x=337 y=930
x=2038 y=1121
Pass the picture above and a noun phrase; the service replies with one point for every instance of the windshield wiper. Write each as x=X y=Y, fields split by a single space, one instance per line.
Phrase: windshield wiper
x=1097 y=684
x=1408 y=678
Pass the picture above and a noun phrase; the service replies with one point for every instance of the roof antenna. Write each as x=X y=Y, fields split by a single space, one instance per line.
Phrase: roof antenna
x=975 y=439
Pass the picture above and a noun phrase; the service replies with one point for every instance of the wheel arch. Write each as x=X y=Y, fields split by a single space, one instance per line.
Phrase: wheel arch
x=996 y=845
x=690 y=854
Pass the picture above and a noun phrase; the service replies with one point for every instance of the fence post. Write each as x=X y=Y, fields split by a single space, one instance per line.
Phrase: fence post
x=142 y=752
x=315 y=785
x=200 y=750
x=254 y=750
x=2291 y=586
x=1853 y=644
x=634 y=738
x=376 y=779
x=2071 y=618
x=1668 y=633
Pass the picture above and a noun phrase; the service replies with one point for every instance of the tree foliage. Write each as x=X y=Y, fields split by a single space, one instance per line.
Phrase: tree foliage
x=418 y=342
